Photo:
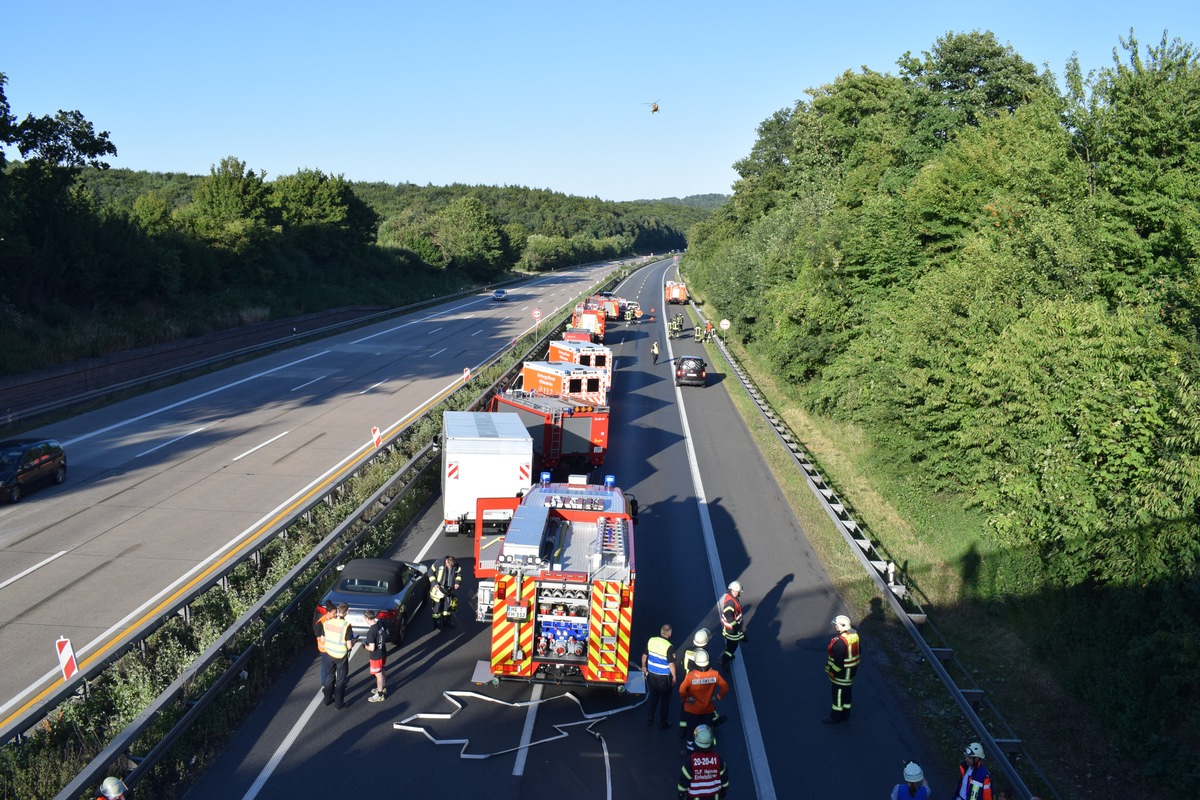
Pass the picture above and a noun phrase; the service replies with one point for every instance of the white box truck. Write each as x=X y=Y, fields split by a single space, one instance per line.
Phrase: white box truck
x=483 y=455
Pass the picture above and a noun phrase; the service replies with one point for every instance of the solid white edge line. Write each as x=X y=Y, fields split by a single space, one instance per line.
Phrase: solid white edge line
x=764 y=786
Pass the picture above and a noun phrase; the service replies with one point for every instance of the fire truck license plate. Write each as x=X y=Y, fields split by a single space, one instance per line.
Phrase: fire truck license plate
x=517 y=613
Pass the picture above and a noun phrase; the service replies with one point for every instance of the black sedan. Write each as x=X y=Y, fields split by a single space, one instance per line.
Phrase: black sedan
x=394 y=590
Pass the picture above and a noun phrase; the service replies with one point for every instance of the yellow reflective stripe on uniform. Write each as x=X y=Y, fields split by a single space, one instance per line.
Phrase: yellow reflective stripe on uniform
x=335 y=637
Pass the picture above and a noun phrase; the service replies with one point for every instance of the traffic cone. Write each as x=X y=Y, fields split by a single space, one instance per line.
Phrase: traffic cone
x=652 y=315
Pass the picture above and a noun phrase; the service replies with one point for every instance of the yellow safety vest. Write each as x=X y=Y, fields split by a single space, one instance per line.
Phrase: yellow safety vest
x=335 y=638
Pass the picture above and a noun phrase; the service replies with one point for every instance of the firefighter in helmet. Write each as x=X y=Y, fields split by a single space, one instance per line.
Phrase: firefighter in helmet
x=731 y=621
x=704 y=774
x=975 y=783
x=112 y=789
x=841 y=664
x=443 y=592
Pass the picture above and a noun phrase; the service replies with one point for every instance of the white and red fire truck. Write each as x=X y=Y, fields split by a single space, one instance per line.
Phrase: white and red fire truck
x=557 y=586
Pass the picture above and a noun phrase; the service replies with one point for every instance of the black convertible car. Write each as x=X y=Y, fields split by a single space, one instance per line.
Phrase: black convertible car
x=394 y=590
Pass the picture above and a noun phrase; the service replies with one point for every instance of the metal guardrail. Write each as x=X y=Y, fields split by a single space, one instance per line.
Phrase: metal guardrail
x=969 y=697
x=382 y=500
x=122 y=743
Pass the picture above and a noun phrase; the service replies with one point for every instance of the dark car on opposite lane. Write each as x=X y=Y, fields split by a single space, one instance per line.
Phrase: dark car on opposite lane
x=394 y=590
x=24 y=463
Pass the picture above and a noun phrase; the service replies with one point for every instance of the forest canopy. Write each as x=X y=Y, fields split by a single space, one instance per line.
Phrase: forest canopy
x=998 y=281
x=94 y=259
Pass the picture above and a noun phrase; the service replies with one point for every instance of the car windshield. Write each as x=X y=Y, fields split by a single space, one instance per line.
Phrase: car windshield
x=365 y=586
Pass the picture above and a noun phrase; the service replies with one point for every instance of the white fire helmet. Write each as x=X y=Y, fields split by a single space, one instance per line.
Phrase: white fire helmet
x=974 y=750
x=841 y=622
x=701 y=638
x=703 y=737
x=913 y=773
x=112 y=788
x=701 y=659
x=734 y=586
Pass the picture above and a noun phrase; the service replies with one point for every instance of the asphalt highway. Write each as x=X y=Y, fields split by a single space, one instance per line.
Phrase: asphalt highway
x=710 y=513
x=164 y=485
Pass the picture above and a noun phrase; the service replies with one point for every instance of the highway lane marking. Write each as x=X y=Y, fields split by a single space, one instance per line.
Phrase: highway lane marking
x=156 y=605
x=261 y=446
x=176 y=439
x=308 y=383
x=102 y=644
x=760 y=770
x=192 y=398
x=288 y=741
x=439 y=352
x=375 y=385
x=535 y=699
x=35 y=567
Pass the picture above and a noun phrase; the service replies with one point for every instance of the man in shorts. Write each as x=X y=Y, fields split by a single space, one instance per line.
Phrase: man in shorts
x=376 y=646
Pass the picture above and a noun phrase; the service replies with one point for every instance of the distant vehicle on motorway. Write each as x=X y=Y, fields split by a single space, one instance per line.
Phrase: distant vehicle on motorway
x=394 y=590
x=690 y=370
x=500 y=294
x=24 y=463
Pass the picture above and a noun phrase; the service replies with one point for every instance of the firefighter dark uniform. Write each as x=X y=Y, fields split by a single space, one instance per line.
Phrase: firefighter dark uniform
x=731 y=622
x=443 y=592
x=704 y=775
x=658 y=662
x=841 y=664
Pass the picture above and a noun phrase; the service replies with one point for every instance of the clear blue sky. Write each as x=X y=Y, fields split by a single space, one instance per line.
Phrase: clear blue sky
x=549 y=95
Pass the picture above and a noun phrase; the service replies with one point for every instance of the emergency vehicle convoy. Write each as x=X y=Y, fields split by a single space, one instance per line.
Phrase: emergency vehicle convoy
x=555 y=561
x=557 y=585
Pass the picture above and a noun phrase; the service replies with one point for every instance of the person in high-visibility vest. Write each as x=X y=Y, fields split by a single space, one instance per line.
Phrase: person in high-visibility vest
x=699 y=692
x=841 y=665
x=975 y=783
x=731 y=622
x=338 y=638
x=688 y=662
x=319 y=632
x=704 y=775
x=443 y=592
x=658 y=664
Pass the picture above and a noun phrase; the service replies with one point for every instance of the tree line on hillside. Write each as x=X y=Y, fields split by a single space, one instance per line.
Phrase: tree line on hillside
x=94 y=259
x=998 y=282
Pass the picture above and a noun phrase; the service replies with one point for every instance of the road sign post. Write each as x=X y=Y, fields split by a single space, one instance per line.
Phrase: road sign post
x=537 y=321
x=724 y=328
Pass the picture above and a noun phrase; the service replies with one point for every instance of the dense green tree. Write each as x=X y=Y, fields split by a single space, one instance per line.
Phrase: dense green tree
x=320 y=214
x=1147 y=171
x=469 y=238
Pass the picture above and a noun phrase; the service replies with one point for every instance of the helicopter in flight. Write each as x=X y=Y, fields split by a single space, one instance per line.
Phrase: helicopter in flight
x=653 y=107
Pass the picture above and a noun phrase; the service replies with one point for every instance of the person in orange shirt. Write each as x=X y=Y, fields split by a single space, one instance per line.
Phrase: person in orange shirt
x=698 y=693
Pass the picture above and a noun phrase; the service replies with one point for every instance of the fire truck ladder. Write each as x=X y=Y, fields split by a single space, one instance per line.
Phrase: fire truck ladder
x=556 y=438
